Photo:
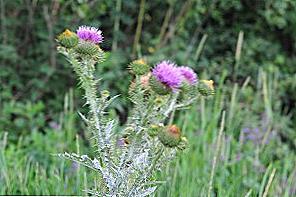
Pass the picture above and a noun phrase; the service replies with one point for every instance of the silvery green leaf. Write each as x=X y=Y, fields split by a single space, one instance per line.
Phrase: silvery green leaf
x=108 y=129
x=83 y=117
x=148 y=191
x=96 y=164
x=141 y=161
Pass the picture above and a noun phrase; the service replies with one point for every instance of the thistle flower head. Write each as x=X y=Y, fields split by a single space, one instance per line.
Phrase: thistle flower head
x=188 y=74
x=170 y=136
x=206 y=87
x=90 y=34
x=168 y=74
x=68 y=39
x=139 y=67
x=68 y=33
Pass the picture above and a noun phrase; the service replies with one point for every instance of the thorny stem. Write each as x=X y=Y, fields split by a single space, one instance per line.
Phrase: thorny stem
x=88 y=81
x=154 y=162
x=158 y=155
x=172 y=104
x=172 y=116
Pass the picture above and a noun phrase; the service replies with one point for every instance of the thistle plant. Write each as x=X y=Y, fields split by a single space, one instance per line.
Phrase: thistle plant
x=126 y=160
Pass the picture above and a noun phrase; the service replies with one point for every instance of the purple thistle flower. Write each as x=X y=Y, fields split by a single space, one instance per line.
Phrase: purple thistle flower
x=168 y=74
x=90 y=34
x=188 y=74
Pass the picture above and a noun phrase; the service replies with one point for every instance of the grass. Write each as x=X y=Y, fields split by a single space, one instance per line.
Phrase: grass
x=216 y=164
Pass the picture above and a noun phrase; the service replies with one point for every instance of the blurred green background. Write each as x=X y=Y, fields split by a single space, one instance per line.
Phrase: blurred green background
x=246 y=46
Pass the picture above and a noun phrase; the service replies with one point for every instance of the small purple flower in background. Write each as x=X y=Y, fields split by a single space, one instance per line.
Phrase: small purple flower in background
x=255 y=135
x=120 y=142
x=54 y=125
x=74 y=166
x=188 y=74
x=168 y=74
x=90 y=34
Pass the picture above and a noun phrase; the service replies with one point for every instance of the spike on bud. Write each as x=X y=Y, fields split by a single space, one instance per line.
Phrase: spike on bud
x=158 y=87
x=68 y=39
x=139 y=67
x=206 y=87
x=170 y=136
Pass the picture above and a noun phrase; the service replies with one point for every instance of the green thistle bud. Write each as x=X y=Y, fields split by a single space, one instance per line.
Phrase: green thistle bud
x=206 y=87
x=128 y=131
x=183 y=144
x=139 y=67
x=159 y=101
x=88 y=48
x=186 y=87
x=170 y=136
x=158 y=87
x=153 y=130
x=187 y=90
x=105 y=93
x=68 y=39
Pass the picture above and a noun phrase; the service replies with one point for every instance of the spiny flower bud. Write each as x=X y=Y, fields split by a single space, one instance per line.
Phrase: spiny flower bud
x=68 y=39
x=186 y=87
x=187 y=90
x=158 y=87
x=139 y=67
x=158 y=101
x=88 y=48
x=154 y=129
x=206 y=87
x=105 y=93
x=128 y=131
x=170 y=136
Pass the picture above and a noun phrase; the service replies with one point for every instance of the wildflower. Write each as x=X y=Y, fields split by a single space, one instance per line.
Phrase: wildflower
x=188 y=74
x=89 y=38
x=255 y=135
x=139 y=67
x=166 y=77
x=90 y=34
x=170 y=136
x=206 y=87
x=68 y=39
